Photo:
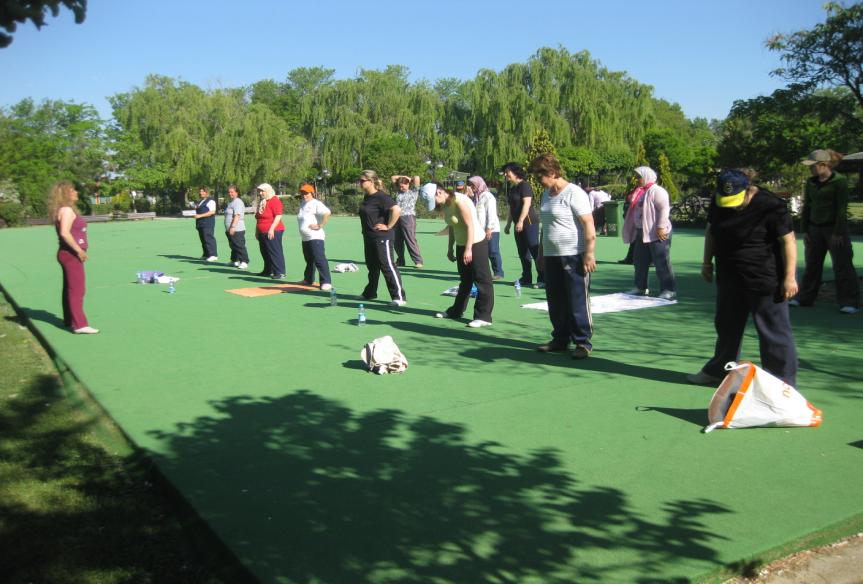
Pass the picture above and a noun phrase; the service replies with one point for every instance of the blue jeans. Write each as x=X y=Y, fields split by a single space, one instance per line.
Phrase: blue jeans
x=660 y=253
x=316 y=257
x=494 y=255
x=567 y=290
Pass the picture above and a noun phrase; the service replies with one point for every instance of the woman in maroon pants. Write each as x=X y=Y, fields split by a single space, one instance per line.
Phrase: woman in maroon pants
x=72 y=235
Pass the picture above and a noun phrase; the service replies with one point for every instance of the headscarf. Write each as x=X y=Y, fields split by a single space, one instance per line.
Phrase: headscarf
x=649 y=177
x=478 y=185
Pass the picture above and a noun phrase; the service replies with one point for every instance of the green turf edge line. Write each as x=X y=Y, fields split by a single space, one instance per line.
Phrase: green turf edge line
x=212 y=551
x=749 y=566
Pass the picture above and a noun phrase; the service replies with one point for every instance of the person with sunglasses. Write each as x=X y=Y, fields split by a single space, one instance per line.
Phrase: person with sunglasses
x=379 y=214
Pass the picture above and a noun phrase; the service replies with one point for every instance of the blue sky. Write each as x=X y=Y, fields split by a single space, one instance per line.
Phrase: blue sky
x=702 y=54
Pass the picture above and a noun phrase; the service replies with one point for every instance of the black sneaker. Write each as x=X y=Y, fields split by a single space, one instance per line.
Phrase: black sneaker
x=581 y=352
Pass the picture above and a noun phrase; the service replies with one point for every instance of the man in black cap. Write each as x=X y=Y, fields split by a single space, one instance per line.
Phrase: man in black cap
x=749 y=232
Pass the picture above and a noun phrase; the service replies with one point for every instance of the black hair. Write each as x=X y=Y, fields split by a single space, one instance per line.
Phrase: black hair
x=515 y=168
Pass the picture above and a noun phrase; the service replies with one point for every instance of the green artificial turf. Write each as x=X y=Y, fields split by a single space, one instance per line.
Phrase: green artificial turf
x=485 y=461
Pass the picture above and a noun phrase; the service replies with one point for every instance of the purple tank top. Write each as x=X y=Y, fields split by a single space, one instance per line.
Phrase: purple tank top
x=78 y=232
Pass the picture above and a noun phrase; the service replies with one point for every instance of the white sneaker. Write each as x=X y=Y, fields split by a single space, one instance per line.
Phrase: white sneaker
x=478 y=323
x=212 y=259
x=637 y=292
x=235 y=264
x=243 y=266
x=86 y=330
x=848 y=310
x=398 y=303
x=668 y=295
x=702 y=378
x=441 y=315
x=326 y=287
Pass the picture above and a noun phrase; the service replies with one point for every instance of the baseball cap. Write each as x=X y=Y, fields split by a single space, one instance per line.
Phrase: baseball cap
x=307 y=188
x=731 y=188
x=817 y=156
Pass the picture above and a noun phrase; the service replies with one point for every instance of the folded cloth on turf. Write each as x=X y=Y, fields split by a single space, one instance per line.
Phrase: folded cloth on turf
x=383 y=356
x=166 y=279
x=151 y=277
x=454 y=291
x=341 y=268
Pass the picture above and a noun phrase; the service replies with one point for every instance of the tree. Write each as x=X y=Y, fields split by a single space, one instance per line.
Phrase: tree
x=580 y=162
x=666 y=178
x=54 y=140
x=13 y=12
x=831 y=53
x=540 y=145
x=772 y=133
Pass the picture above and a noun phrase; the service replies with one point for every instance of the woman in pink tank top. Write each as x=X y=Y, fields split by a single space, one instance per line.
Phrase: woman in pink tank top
x=72 y=236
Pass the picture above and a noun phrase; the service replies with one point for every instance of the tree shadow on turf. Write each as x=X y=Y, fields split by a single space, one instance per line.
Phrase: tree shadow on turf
x=73 y=512
x=309 y=490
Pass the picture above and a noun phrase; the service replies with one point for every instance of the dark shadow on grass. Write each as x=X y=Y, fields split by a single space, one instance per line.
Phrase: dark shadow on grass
x=94 y=515
x=307 y=489
x=697 y=416
x=182 y=258
x=858 y=444
x=40 y=315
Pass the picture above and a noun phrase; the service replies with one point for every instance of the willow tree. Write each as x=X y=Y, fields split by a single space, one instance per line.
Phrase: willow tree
x=181 y=137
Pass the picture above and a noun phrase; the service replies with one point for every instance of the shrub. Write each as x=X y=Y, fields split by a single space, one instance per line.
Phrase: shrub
x=11 y=214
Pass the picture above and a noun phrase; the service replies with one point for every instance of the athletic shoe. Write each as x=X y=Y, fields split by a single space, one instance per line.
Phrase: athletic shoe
x=243 y=266
x=637 y=292
x=364 y=297
x=398 y=303
x=478 y=323
x=668 y=295
x=702 y=378
x=441 y=315
x=235 y=264
x=326 y=287
x=86 y=330
x=213 y=259
x=793 y=302
x=500 y=277
x=552 y=347
x=278 y=276
x=539 y=286
x=419 y=265
x=848 y=310
x=581 y=352
x=263 y=273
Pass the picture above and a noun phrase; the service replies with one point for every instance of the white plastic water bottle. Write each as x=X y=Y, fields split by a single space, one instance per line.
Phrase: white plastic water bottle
x=334 y=300
x=140 y=277
x=517 y=287
x=361 y=316
x=171 y=287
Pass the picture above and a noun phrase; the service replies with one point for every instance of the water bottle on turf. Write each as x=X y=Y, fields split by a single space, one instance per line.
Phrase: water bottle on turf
x=334 y=300
x=140 y=277
x=361 y=316
x=171 y=287
x=517 y=288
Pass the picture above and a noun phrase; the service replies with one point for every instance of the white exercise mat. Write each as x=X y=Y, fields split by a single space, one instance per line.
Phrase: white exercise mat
x=617 y=302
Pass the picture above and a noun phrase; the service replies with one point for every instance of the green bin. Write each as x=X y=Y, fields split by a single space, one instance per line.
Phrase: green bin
x=613 y=217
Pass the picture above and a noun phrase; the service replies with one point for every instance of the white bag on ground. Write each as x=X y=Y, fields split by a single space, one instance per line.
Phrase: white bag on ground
x=383 y=356
x=750 y=396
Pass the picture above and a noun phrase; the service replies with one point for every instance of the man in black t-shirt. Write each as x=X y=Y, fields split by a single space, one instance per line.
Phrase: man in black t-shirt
x=749 y=232
x=522 y=213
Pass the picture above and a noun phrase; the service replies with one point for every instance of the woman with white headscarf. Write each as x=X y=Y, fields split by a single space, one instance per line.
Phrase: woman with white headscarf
x=269 y=230
x=486 y=210
x=648 y=226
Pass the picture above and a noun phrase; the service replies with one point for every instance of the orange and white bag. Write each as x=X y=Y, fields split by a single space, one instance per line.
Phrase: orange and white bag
x=750 y=396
